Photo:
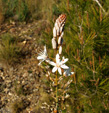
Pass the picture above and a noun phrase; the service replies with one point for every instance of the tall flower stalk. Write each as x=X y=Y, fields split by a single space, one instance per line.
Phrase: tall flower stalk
x=59 y=65
x=58 y=32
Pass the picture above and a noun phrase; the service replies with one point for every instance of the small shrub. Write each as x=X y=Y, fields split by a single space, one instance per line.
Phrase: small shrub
x=9 y=51
x=20 y=105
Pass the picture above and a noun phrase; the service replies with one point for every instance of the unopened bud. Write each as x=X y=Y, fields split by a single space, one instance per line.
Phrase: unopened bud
x=60 y=40
x=60 y=50
x=61 y=29
x=56 y=25
x=62 y=34
x=54 y=32
x=58 y=31
x=54 y=43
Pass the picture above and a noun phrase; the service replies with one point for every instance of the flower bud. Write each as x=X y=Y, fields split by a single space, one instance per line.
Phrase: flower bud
x=61 y=29
x=60 y=40
x=54 y=32
x=62 y=34
x=58 y=31
x=54 y=43
x=60 y=49
x=56 y=25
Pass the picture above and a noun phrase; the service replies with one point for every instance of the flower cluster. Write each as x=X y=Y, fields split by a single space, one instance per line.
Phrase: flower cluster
x=58 y=32
x=57 y=41
x=42 y=55
x=58 y=65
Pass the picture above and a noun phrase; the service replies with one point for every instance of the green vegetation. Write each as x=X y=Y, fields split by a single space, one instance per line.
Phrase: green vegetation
x=9 y=50
x=21 y=10
x=86 y=44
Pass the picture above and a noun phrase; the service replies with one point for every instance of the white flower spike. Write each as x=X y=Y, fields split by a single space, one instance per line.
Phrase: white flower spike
x=42 y=55
x=59 y=64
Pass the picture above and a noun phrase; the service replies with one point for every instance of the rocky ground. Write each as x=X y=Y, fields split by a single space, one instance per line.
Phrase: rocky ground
x=22 y=87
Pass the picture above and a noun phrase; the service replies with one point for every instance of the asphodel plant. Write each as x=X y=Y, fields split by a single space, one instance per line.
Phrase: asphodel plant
x=59 y=67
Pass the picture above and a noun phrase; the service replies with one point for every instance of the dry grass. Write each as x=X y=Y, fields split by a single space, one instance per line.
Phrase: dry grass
x=19 y=105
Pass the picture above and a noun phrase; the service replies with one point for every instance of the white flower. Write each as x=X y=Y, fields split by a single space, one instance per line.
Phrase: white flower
x=67 y=72
x=42 y=55
x=59 y=64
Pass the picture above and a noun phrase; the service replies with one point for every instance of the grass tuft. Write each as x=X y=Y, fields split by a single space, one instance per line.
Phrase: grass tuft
x=9 y=50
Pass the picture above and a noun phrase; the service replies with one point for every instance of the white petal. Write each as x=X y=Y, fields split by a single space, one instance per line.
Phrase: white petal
x=54 y=69
x=64 y=60
x=39 y=57
x=60 y=50
x=52 y=63
x=64 y=66
x=57 y=58
x=40 y=62
x=59 y=70
x=45 y=50
x=72 y=73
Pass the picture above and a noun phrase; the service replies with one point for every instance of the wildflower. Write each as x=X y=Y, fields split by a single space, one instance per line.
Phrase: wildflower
x=43 y=56
x=67 y=72
x=59 y=64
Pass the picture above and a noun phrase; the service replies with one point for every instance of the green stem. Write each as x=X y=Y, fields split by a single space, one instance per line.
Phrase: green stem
x=57 y=82
x=56 y=91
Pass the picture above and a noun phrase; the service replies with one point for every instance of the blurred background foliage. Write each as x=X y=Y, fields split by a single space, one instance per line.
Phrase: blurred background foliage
x=86 y=44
